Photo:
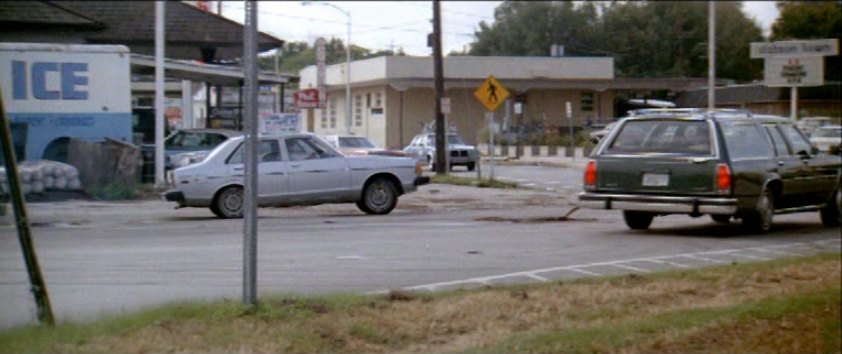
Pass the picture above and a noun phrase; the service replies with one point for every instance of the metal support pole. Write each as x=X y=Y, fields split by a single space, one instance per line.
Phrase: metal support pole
x=36 y=280
x=348 y=117
x=159 y=92
x=250 y=190
x=711 y=54
x=793 y=103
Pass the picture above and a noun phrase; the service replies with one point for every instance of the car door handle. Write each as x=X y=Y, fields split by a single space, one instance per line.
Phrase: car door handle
x=295 y=165
x=276 y=174
x=238 y=169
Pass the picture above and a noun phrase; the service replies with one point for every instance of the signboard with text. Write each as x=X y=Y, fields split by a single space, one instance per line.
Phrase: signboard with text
x=306 y=98
x=787 y=72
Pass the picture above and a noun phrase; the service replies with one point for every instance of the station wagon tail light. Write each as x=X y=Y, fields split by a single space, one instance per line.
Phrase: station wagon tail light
x=590 y=175
x=723 y=179
x=419 y=168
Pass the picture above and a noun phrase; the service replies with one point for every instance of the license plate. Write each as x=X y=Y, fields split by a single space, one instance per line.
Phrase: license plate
x=656 y=179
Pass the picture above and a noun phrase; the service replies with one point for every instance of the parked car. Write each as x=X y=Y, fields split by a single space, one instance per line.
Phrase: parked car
x=597 y=135
x=828 y=139
x=351 y=145
x=294 y=169
x=808 y=125
x=726 y=164
x=184 y=147
x=423 y=146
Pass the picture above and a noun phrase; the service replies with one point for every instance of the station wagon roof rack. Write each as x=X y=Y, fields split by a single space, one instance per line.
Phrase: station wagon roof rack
x=671 y=112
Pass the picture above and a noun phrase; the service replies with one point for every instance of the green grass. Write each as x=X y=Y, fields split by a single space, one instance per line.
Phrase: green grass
x=781 y=306
x=472 y=182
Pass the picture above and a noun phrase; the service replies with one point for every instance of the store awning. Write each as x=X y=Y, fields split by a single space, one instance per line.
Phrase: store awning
x=229 y=76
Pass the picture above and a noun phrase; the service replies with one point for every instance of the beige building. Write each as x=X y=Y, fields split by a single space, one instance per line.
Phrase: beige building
x=393 y=96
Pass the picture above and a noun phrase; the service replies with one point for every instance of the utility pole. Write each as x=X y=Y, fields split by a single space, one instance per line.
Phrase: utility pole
x=36 y=279
x=250 y=190
x=441 y=147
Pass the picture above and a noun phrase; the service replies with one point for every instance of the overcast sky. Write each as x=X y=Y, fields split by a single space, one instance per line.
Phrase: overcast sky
x=396 y=24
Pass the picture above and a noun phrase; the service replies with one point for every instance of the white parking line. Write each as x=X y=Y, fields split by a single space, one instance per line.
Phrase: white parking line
x=619 y=264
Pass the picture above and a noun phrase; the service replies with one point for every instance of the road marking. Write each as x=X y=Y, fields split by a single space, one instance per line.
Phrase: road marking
x=622 y=264
x=679 y=265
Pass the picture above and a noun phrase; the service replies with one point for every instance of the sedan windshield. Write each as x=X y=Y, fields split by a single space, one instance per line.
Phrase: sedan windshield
x=662 y=136
x=451 y=139
x=356 y=143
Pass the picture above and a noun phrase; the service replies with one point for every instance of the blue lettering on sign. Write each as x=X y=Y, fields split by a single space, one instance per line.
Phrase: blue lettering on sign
x=71 y=80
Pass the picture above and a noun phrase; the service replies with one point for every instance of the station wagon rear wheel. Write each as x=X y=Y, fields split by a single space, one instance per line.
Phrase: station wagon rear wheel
x=638 y=220
x=379 y=197
x=229 y=203
x=760 y=220
x=832 y=212
x=722 y=219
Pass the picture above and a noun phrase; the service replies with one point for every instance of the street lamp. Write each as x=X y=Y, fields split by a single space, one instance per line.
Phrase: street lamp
x=347 y=64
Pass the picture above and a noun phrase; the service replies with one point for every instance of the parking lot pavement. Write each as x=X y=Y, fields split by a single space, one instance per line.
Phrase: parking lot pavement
x=430 y=198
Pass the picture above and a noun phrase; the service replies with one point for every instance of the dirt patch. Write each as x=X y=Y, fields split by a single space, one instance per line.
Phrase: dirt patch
x=533 y=220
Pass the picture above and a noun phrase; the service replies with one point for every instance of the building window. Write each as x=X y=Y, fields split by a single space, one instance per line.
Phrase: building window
x=358 y=111
x=332 y=108
x=587 y=102
x=378 y=99
x=323 y=113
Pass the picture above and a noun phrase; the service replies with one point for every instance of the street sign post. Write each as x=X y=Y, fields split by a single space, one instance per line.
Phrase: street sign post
x=794 y=64
x=491 y=94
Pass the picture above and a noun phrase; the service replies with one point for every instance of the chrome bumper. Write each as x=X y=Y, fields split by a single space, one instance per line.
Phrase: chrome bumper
x=659 y=204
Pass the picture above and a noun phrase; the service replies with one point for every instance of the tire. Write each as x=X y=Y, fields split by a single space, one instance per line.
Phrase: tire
x=760 y=220
x=228 y=204
x=471 y=166
x=831 y=214
x=638 y=220
x=722 y=219
x=379 y=197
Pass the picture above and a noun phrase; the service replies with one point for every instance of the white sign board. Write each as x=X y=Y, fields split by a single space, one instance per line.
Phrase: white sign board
x=278 y=123
x=805 y=48
x=445 y=105
x=789 y=72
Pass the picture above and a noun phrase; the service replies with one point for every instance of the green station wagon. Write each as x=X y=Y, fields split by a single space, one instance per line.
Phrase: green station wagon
x=728 y=164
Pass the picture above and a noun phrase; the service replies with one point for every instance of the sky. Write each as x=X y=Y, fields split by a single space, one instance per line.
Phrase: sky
x=384 y=25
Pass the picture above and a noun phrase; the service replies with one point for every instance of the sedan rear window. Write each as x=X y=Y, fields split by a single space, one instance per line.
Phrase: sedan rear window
x=662 y=136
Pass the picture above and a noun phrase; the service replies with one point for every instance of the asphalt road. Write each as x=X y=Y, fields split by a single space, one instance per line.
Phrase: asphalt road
x=102 y=258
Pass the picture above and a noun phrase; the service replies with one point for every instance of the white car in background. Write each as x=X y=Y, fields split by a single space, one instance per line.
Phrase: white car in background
x=828 y=138
x=294 y=169
x=352 y=145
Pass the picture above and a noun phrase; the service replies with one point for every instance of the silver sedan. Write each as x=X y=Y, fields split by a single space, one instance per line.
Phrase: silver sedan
x=294 y=169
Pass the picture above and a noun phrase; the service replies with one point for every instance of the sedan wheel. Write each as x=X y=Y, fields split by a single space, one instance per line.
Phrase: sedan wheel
x=832 y=212
x=638 y=220
x=379 y=197
x=229 y=203
x=760 y=220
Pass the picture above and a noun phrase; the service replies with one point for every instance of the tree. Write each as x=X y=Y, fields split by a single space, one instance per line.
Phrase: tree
x=298 y=55
x=531 y=28
x=811 y=20
x=646 y=38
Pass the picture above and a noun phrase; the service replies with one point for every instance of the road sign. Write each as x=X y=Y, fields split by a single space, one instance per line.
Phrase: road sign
x=804 y=48
x=491 y=93
x=784 y=72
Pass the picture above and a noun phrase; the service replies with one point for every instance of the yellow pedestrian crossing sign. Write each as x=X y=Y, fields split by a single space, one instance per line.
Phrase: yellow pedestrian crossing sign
x=491 y=93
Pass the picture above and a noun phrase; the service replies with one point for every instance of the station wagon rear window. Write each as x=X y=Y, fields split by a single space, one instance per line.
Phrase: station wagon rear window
x=689 y=137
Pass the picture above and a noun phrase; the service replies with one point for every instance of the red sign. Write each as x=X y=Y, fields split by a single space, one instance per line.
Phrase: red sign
x=306 y=98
